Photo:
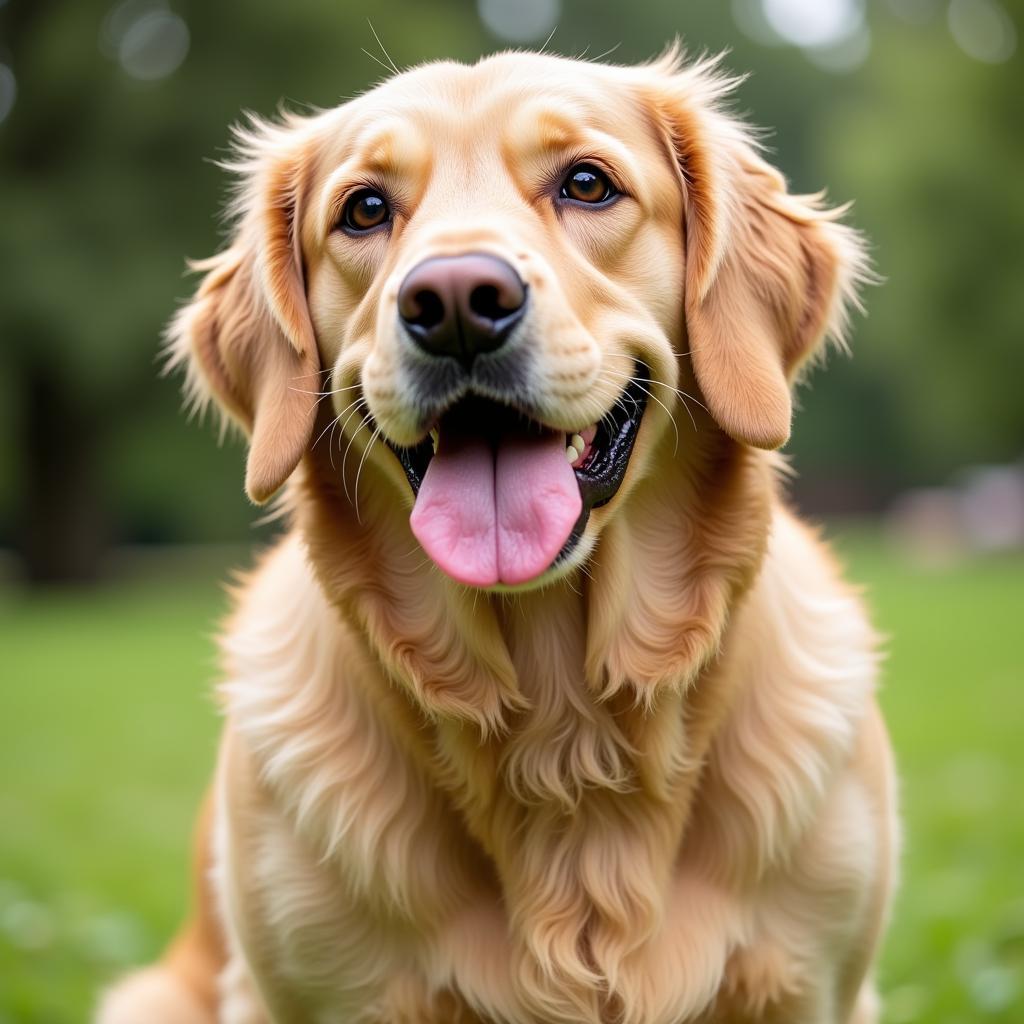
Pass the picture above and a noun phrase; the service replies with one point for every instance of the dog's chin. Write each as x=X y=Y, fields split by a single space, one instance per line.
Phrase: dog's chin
x=605 y=450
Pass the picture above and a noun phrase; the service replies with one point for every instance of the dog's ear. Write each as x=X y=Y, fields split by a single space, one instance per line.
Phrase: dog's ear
x=768 y=274
x=246 y=338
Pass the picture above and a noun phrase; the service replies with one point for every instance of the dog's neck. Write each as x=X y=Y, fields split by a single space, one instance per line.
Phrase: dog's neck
x=521 y=735
x=566 y=688
x=554 y=718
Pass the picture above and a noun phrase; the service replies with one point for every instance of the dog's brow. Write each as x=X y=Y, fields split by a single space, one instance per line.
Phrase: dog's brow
x=392 y=149
x=541 y=131
x=546 y=134
x=536 y=130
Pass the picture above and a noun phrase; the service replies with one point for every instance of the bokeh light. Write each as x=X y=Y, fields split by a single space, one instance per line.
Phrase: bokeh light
x=146 y=37
x=844 y=56
x=983 y=30
x=520 y=21
x=833 y=35
x=8 y=91
x=916 y=12
x=814 y=23
x=750 y=19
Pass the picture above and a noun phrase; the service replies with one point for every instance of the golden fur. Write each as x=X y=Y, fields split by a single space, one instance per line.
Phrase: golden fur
x=655 y=789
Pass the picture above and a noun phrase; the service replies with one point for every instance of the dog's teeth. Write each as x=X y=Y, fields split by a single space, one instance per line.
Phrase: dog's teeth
x=434 y=436
x=578 y=443
x=571 y=454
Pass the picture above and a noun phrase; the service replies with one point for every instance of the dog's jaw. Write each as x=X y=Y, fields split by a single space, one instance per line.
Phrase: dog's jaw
x=599 y=456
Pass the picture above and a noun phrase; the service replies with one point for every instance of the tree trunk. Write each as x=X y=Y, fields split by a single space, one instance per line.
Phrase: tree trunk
x=62 y=535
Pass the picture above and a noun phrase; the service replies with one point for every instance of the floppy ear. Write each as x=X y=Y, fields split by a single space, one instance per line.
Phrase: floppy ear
x=768 y=274
x=246 y=338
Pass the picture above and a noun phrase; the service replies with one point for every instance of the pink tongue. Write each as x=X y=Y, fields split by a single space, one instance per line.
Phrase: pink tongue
x=487 y=515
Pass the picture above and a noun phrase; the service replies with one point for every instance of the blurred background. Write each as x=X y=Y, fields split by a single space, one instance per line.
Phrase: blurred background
x=119 y=520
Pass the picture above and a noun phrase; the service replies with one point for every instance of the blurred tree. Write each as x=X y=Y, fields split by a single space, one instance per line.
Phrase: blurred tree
x=108 y=182
x=930 y=144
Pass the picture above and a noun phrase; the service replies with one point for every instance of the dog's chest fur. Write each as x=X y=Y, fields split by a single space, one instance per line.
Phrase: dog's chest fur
x=596 y=860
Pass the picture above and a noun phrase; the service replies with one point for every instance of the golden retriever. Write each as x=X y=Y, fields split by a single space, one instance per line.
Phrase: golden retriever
x=546 y=708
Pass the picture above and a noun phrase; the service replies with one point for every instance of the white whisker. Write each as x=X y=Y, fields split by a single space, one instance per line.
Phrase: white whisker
x=684 y=396
x=331 y=424
x=315 y=373
x=387 y=55
x=348 y=447
x=324 y=394
x=359 y=470
x=654 y=398
x=358 y=404
x=668 y=387
x=607 y=53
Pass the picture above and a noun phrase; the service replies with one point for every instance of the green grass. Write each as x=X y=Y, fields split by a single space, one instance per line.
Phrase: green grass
x=953 y=694
x=107 y=736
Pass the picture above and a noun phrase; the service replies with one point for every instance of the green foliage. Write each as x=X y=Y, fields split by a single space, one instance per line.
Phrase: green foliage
x=109 y=182
x=951 y=693
x=930 y=147
x=107 y=740
x=107 y=737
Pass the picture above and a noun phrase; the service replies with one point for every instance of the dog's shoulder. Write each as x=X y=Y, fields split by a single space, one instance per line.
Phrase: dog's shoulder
x=802 y=657
x=275 y=606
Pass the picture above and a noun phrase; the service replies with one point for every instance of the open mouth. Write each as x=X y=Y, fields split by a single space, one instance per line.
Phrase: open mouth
x=502 y=498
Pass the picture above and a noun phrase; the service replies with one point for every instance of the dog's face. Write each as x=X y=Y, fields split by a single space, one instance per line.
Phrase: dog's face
x=505 y=241
x=508 y=278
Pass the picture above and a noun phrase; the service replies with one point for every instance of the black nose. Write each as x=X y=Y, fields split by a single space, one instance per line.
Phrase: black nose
x=460 y=306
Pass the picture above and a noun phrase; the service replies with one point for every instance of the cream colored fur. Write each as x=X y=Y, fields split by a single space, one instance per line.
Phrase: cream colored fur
x=655 y=789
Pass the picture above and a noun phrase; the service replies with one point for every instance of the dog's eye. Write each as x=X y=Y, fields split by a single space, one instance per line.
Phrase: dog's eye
x=365 y=211
x=586 y=184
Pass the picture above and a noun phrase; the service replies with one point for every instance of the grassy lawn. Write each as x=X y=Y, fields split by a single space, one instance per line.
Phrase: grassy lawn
x=107 y=735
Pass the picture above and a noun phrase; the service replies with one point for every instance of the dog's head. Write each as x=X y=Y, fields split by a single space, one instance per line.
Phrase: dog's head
x=510 y=289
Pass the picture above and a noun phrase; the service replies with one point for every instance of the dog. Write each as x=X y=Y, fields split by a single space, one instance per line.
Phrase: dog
x=546 y=707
